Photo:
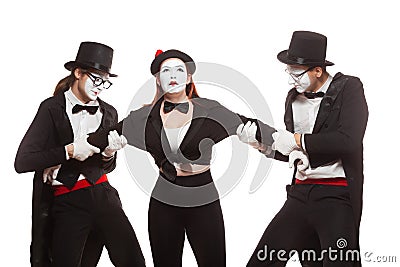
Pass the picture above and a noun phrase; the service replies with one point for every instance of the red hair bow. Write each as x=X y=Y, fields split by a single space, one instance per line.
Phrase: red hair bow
x=158 y=52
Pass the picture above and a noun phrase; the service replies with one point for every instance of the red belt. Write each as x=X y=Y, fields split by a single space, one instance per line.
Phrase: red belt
x=62 y=189
x=324 y=181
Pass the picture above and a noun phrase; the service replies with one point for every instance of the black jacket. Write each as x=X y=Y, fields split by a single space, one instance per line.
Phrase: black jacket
x=210 y=124
x=43 y=147
x=338 y=132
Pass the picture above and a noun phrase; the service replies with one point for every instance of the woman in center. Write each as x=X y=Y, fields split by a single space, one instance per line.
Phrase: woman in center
x=179 y=129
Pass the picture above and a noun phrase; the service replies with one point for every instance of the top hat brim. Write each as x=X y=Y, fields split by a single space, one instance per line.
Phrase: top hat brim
x=158 y=60
x=71 y=65
x=284 y=57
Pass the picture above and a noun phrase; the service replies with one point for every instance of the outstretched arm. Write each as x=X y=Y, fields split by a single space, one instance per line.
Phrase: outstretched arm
x=132 y=128
x=230 y=121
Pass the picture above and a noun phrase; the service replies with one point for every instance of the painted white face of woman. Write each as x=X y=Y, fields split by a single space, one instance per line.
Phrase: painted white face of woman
x=92 y=91
x=173 y=75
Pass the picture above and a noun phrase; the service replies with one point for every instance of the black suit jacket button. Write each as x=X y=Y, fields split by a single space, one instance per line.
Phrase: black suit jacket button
x=326 y=125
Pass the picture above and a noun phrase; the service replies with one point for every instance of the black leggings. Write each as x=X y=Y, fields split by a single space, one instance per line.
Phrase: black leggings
x=203 y=225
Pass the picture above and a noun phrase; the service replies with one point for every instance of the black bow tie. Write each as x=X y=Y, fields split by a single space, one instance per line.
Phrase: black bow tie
x=91 y=109
x=182 y=107
x=312 y=95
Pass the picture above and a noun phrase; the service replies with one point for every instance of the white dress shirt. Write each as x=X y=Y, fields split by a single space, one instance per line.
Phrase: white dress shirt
x=305 y=112
x=176 y=135
x=82 y=122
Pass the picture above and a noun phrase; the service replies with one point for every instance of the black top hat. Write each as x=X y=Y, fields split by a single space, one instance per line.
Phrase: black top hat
x=161 y=56
x=93 y=55
x=306 y=48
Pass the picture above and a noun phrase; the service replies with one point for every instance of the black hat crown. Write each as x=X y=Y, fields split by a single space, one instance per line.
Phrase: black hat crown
x=306 y=48
x=172 y=53
x=93 y=55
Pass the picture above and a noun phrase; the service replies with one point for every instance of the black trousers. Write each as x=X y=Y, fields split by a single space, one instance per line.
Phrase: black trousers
x=317 y=222
x=203 y=225
x=93 y=216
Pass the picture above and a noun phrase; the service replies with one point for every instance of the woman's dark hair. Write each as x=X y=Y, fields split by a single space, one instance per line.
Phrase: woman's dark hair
x=64 y=84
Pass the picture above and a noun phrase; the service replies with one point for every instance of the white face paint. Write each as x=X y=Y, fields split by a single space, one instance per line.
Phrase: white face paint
x=301 y=84
x=91 y=90
x=173 y=75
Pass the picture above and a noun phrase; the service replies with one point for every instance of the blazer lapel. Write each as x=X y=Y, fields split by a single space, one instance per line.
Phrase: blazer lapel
x=288 y=117
x=199 y=113
x=61 y=121
x=107 y=120
x=327 y=101
x=156 y=124
x=155 y=118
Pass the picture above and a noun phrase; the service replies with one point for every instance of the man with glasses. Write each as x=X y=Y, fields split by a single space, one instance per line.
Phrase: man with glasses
x=325 y=121
x=70 y=181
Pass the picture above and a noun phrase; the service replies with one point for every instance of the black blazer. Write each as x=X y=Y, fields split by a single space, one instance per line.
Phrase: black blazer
x=338 y=132
x=211 y=123
x=43 y=147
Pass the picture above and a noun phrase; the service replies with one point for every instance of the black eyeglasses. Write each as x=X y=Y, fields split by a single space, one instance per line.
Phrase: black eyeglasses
x=97 y=81
x=297 y=77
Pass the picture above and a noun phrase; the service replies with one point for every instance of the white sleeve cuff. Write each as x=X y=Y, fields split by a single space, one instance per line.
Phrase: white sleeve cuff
x=107 y=157
x=303 y=144
x=66 y=153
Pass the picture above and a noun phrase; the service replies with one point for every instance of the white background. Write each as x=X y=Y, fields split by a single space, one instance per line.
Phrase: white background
x=38 y=37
